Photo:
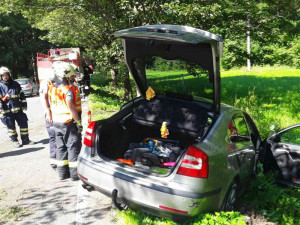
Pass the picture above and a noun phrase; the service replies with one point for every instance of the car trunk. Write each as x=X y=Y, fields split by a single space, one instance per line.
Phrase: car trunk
x=135 y=133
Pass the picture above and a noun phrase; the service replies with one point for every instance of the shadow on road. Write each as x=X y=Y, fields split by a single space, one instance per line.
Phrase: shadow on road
x=20 y=152
x=44 y=141
x=49 y=205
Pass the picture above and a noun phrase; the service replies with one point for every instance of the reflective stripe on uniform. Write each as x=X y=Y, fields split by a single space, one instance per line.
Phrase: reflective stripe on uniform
x=23 y=131
x=15 y=109
x=53 y=161
x=13 y=96
x=73 y=164
x=24 y=100
x=6 y=111
x=12 y=132
x=62 y=162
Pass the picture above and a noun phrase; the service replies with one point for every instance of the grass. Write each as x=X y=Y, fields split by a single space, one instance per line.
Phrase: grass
x=104 y=99
x=271 y=96
x=13 y=213
x=10 y=214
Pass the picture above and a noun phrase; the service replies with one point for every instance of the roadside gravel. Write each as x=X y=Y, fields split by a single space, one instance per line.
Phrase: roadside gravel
x=28 y=183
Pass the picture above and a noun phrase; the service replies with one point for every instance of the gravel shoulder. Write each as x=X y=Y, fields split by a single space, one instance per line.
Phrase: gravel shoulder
x=28 y=184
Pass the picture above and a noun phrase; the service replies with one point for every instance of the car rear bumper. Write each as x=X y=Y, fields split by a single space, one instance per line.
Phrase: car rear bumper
x=166 y=200
x=27 y=91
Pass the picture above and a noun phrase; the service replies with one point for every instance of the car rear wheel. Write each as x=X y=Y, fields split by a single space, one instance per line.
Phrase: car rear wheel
x=230 y=198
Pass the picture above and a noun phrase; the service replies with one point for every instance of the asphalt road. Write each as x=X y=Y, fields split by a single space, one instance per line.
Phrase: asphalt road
x=27 y=181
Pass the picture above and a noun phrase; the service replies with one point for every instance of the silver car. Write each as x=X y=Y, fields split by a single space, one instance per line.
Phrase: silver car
x=175 y=151
x=28 y=87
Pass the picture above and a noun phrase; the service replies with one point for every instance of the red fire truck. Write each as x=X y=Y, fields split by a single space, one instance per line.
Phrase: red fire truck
x=44 y=62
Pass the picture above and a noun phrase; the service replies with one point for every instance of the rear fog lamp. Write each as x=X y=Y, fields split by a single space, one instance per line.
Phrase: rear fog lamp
x=173 y=210
x=82 y=177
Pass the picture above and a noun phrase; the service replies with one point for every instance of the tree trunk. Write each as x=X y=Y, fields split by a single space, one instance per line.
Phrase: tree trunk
x=127 y=87
x=248 y=43
x=114 y=73
x=36 y=78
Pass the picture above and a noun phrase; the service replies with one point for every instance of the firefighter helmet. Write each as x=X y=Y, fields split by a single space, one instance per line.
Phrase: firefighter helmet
x=4 y=70
x=62 y=70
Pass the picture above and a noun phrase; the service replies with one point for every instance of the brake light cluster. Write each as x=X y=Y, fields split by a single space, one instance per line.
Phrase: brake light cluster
x=28 y=86
x=89 y=134
x=194 y=163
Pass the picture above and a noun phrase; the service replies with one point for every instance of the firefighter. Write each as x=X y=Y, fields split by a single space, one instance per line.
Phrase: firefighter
x=77 y=99
x=12 y=104
x=85 y=82
x=49 y=122
x=66 y=121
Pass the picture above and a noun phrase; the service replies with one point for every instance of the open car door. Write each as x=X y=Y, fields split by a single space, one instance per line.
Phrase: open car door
x=281 y=152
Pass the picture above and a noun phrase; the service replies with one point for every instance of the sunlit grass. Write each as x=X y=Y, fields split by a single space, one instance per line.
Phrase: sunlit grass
x=105 y=99
x=270 y=95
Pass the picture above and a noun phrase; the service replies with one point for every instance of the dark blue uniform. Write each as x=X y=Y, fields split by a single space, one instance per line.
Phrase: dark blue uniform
x=12 y=109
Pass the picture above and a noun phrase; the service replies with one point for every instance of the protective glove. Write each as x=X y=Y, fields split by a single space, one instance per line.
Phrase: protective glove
x=79 y=126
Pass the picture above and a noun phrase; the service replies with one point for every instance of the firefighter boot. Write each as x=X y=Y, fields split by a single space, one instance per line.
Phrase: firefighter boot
x=16 y=144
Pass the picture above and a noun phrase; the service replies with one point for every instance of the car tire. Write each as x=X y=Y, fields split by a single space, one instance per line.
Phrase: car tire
x=31 y=94
x=230 y=198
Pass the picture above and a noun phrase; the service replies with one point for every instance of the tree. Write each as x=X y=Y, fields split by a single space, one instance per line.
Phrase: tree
x=18 y=44
x=90 y=23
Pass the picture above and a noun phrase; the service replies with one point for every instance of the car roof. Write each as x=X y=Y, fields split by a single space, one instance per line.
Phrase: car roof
x=23 y=79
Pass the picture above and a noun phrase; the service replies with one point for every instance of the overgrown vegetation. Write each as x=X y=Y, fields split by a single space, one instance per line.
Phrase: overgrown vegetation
x=9 y=214
x=139 y=218
x=277 y=204
x=13 y=213
x=271 y=96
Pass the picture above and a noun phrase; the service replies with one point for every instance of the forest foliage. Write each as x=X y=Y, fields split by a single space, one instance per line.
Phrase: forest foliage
x=29 y=26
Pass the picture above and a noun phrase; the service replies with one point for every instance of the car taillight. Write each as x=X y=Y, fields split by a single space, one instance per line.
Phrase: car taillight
x=28 y=86
x=89 y=134
x=194 y=163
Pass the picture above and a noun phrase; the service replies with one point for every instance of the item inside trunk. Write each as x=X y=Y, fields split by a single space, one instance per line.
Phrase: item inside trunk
x=136 y=138
x=156 y=155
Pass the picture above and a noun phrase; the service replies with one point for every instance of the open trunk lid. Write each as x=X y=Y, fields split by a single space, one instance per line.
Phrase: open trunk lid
x=173 y=42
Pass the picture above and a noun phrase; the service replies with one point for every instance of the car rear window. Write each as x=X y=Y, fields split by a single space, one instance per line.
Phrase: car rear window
x=177 y=76
x=21 y=82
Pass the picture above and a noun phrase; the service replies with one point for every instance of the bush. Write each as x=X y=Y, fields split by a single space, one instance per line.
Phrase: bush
x=280 y=205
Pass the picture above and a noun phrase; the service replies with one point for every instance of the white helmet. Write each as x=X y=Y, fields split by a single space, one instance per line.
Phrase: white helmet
x=62 y=70
x=4 y=70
